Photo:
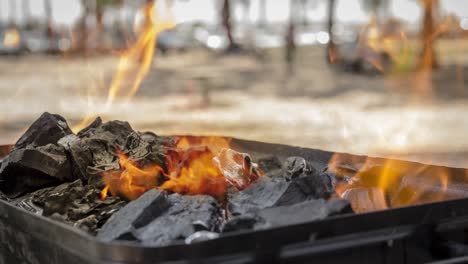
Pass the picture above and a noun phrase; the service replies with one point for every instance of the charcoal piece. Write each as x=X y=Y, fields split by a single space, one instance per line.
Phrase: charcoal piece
x=90 y=128
x=29 y=169
x=95 y=150
x=136 y=214
x=304 y=212
x=145 y=150
x=309 y=185
x=282 y=189
x=269 y=163
x=262 y=194
x=3 y=196
x=76 y=204
x=296 y=166
x=48 y=129
x=181 y=219
x=157 y=218
x=311 y=210
x=242 y=223
x=68 y=140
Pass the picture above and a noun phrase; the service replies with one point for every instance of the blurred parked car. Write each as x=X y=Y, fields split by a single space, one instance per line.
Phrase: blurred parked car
x=180 y=38
x=12 y=42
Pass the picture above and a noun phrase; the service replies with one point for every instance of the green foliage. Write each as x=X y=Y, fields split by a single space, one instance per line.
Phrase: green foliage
x=372 y=5
x=106 y=3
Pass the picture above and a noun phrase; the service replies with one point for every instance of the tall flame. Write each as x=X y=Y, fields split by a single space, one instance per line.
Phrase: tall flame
x=135 y=62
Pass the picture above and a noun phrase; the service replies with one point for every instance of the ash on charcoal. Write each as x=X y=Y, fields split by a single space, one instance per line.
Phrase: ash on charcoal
x=298 y=181
x=311 y=210
x=157 y=218
x=94 y=149
x=29 y=169
x=76 y=204
x=297 y=166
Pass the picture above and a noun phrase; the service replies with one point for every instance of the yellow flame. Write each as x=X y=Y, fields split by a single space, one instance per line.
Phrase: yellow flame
x=135 y=63
x=373 y=184
x=11 y=38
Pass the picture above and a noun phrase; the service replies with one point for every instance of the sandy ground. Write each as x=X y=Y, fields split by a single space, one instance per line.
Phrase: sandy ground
x=240 y=96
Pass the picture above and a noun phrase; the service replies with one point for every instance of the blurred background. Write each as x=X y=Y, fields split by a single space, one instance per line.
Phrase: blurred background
x=385 y=78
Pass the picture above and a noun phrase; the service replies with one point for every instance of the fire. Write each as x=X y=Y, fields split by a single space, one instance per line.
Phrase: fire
x=12 y=38
x=194 y=166
x=376 y=184
x=135 y=63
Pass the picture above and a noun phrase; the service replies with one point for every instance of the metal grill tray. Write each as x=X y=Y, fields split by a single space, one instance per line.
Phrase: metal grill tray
x=415 y=234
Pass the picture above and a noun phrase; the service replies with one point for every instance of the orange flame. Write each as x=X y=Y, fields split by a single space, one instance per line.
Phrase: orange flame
x=375 y=184
x=190 y=168
x=135 y=62
x=129 y=76
x=12 y=38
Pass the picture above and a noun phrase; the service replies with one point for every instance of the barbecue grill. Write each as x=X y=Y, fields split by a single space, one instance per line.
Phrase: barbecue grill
x=427 y=233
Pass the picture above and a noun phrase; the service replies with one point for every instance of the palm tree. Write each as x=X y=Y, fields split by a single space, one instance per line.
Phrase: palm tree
x=48 y=14
x=101 y=5
x=262 y=13
x=226 y=17
x=26 y=8
x=428 y=57
x=12 y=17
x=331 y=47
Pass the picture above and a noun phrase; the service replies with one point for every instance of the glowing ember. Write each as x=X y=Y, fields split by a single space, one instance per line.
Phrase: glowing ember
x=195 y=166
x=376 y=185
x=11 y=38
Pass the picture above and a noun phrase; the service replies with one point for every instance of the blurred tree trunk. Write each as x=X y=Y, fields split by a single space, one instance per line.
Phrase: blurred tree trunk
x=262 y=13
x=12 y=16
x=332 y=52
x=290 y=37
x=428 y=57
x=302 y=8
x=226 y=15
x=82 y=42
x=26 y=8
x=99 y=12
x=48 y=14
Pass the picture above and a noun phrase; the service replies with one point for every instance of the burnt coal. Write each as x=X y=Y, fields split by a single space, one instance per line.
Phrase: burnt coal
x=269 y=163
x=29 y=169
x=93 y=150
x=136 y=214
x=48 y=129
x=243 y=223
x=298 y=181
x=158 y=218
x=56 y=173
x=311 y=210
x=74 y=203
